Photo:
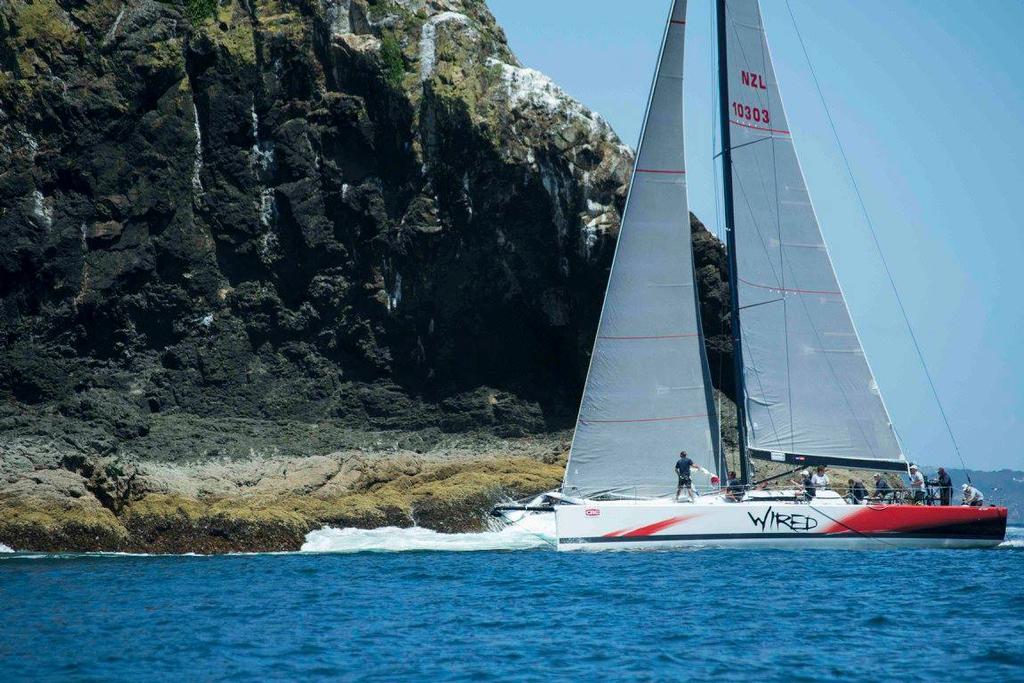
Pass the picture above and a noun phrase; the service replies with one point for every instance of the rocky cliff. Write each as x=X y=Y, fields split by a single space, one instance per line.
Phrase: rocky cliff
x=271 y=228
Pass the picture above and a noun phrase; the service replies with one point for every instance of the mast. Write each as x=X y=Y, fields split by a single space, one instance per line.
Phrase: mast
x=730 y=236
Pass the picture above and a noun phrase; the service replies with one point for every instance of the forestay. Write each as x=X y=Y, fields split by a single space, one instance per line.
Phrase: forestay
x=811 y=396
x=647 y=394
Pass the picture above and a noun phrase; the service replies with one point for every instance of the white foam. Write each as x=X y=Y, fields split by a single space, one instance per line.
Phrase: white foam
x=395 y=540
x=6 y=549
x=1014 y=538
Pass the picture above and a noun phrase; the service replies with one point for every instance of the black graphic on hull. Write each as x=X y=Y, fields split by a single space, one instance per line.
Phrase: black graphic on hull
x=775 y=521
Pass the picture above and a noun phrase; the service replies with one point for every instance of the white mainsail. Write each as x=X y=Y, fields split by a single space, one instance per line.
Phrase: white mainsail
x=647 y=394
x=810 y=393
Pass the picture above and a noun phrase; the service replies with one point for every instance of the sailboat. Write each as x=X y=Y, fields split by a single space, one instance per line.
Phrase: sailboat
x=807 y=395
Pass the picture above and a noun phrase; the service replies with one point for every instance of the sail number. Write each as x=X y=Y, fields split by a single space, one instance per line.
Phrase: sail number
x=745 y=111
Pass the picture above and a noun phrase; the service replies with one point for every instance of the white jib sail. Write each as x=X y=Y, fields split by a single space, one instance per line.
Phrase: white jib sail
x=647 y=394
x=809 y=389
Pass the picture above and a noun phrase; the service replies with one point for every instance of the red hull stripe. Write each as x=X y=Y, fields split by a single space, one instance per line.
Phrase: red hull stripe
x=900 y=518
x=660 y=336
x=667 y=171
x=649 y=529
x=786 y=289
x=767 y=130
x=648 y=419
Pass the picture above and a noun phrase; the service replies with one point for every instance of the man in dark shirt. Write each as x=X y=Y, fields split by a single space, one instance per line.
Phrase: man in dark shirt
x=803 y=480
x=683 y=466
x=857 y=491
x=733 y=488
x=882 y=488
x=945 y=485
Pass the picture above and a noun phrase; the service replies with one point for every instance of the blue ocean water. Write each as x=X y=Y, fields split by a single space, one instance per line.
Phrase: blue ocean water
x=527 y=614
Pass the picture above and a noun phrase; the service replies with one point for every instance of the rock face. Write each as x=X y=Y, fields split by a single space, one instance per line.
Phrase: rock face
x=255 y=228
x=312 y=209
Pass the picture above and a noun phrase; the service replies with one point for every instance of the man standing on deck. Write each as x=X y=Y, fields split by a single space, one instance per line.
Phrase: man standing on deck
x=820 y=480
x=733 y=488
x=945 y=485
x=856 y=491
x=683 y=466
x=917 y=485
x=882 y=489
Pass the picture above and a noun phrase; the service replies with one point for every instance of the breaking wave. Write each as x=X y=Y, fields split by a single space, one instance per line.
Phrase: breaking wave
x=5 y=549
x=395 y=540
x=1014 y=538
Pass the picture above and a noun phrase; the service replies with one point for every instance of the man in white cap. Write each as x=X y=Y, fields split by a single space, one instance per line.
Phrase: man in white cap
x=917 y=489
x=972 y=496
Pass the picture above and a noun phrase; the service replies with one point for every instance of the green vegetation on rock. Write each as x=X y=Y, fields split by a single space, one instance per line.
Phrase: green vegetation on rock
x=199 y=11
x=391 y=55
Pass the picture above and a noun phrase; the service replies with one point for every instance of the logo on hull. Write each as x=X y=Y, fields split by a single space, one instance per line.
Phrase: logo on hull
x=593 y=512
x=775 y=521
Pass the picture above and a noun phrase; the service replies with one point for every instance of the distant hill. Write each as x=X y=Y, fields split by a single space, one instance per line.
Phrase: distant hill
x=1003 y=487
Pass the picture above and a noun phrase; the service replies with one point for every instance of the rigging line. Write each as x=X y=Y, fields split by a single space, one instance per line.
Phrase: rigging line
x=745 y=144
x=859 y=533
x=878 y=245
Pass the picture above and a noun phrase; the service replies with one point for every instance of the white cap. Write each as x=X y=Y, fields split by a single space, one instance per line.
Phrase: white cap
x=966 y=486
x=913 y=466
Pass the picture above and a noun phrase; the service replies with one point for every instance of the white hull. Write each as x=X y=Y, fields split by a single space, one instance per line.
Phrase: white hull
x=828 y=522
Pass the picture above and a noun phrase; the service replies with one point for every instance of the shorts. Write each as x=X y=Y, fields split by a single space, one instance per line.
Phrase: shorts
x=685 y=482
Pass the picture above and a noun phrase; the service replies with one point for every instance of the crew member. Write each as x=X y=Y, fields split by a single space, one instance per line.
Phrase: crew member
x=733 y=488
x=683 y=466
x=917 y=485
x=883 y=490
x=819 y=480
x=857 y=491
x=945 y=485
x=804 y=481
x=972 y=496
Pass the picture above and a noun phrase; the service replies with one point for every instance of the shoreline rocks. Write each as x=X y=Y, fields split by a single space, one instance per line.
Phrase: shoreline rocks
x=264 y=504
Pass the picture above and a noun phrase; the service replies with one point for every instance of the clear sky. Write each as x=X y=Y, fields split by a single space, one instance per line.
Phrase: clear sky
x=928 y=98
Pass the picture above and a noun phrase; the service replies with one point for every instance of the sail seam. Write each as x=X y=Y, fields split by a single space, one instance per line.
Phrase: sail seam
x=646 y=419
x=770 y=130
x=661 y=170
x=788 y=289
x=660 y=336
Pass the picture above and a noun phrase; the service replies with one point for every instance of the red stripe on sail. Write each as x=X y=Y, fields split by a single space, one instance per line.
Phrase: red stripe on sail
x=677 y=21
x=747 y=125
x=786 y=289
x=646 y=419
x=661 y=170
